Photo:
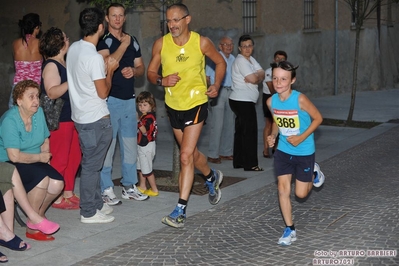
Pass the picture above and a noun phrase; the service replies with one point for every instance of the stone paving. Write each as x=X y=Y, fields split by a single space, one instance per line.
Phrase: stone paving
x=357 y=209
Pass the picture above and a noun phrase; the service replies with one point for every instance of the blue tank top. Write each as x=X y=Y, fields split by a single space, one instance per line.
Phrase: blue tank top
x=66 y=109
x=291 y=120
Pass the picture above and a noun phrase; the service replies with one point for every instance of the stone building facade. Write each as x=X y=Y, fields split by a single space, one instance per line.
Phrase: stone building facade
x=305 y=29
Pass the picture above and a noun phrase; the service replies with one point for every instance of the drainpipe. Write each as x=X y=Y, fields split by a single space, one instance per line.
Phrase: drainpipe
x=336 y=50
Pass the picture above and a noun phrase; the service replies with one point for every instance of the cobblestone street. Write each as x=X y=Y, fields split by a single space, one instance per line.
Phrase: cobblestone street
x=356 y=209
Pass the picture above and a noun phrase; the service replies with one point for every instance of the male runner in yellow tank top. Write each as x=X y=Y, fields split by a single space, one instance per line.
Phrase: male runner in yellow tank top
x=182 y=55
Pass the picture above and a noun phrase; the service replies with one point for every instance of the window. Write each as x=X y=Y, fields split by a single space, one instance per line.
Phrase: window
x=353 y=11
x=249 y=16
x=309 y=15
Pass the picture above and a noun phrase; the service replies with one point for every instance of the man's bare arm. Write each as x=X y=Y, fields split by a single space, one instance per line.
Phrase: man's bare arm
x=118 y=54
x=139 y=67
x=155 y=63
x=209 y=49
x=103 y=86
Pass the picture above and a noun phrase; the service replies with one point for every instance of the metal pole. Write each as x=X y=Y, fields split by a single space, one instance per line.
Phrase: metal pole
x=336 y=50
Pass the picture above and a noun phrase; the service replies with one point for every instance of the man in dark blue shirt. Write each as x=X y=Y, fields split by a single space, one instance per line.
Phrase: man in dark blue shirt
x=122 y=105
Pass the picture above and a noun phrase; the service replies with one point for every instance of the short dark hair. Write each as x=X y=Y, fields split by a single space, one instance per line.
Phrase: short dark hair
x=180 y=6
x=245 y=38
x=114 y=5
x=146 y=96
x=21 y=87
x=89 y=20
x=51 y=42
x=279 y=52
x=287 y=66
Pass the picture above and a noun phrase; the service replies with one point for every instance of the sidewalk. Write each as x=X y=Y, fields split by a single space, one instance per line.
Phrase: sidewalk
x=76 y=241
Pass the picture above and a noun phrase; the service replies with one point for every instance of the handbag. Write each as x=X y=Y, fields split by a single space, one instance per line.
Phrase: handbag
x=52 y=110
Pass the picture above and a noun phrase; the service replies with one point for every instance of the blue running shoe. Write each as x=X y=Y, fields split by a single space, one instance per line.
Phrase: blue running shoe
x=215 y=194
x=288 y=237
x=319 y=177
x=176 y=218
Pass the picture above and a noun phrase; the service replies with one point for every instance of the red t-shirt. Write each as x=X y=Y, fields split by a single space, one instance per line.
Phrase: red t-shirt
x=150 y=124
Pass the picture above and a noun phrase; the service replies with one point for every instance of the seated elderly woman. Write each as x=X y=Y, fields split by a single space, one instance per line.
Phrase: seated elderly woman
x=24 y=142
x=11 y=187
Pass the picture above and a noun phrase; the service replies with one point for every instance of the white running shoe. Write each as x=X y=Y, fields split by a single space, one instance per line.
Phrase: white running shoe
x=319 y=176
x=288 y=237
x=98 y=218
x=110 y=198
x=133 y=193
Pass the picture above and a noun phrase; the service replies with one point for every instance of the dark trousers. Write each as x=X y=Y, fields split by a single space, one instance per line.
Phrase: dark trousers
x=245 y=151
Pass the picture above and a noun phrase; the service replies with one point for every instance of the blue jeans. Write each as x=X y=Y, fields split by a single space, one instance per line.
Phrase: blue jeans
x=221 y=121
x=124 y=125
x=94 y=141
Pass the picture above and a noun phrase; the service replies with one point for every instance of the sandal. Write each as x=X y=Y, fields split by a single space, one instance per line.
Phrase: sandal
x=255 y=168
x=14 y=243
x=3 y=261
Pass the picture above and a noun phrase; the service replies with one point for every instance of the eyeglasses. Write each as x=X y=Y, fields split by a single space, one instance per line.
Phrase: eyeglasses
x=287 y=66
x=227 y=44
x=246 y=46
x=176 y=20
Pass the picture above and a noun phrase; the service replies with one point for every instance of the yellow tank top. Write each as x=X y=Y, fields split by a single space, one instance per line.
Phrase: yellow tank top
x=189 y=62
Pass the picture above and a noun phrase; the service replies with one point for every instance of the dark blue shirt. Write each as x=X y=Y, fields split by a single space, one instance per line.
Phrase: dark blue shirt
x=122 y=88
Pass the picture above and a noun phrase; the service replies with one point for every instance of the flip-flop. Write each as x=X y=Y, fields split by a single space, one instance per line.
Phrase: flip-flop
x=14 y=243
x=2 y=255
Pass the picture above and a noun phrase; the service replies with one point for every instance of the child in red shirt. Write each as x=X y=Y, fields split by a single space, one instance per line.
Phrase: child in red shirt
x=146 y=135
